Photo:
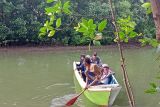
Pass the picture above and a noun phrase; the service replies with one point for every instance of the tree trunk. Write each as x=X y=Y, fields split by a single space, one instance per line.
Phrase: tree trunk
x=155 y=5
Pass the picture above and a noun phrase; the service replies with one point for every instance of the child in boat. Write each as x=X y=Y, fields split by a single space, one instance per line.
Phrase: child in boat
x=96 y=59
x=106 y=77
x=93 y=73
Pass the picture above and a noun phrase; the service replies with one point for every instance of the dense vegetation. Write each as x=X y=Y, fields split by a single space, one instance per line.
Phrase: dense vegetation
x=20 y=21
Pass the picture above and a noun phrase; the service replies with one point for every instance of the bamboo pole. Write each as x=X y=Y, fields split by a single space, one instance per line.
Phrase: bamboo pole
x=123 y=67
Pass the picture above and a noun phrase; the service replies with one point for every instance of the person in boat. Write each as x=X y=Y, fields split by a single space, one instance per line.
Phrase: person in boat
x=107 y=73
x=93 y=73
x=96 y=59
x=81 y=66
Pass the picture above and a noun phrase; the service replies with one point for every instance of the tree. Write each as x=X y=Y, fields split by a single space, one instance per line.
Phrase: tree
x=155 y=5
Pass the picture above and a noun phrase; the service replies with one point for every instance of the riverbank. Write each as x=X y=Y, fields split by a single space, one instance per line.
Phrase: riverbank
x=66 y=48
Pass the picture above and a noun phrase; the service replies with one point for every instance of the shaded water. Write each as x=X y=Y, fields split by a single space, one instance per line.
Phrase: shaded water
x=45 y=79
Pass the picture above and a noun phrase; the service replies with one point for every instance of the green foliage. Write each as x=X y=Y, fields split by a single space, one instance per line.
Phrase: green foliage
x=126 y=29
x=150 y=41
x=88 y=28
x=147 y=7
x=124 y=8
x=102 y=25
x=53 y=12
x=98 y=9
x=23 y=20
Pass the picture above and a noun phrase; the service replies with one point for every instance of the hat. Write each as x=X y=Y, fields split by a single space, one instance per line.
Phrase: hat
x=88 y=56
x=105 y=65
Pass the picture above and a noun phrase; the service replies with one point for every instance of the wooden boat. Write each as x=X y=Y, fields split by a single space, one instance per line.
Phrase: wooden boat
x=104 y=94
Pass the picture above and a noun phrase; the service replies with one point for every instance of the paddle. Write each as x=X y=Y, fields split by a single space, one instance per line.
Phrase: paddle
x=73 y=100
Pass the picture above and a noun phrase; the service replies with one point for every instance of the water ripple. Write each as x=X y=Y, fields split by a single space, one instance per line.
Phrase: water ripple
x=57 y=84
x=61 y=101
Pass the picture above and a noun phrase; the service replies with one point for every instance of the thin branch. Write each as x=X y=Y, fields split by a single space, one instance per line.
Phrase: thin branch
x=123 y=67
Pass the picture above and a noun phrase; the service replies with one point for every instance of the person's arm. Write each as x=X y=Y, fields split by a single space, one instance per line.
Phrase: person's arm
x=92 y=83
x=87 y=75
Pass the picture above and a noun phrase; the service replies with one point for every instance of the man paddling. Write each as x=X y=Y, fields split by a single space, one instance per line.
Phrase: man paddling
x=93 y=73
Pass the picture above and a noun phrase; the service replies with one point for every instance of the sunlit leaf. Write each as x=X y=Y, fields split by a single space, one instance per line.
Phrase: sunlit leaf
x=102 y=25
x=66 y=7
x=51 y=33
x=46 y=23
x=126 y=40
x=49 y=10
x=82 y=29
x=90 y=22
x=121 y=35
x=50 y=1
x=50 y=28
x=58 y=22
x=42 y=34
x=85 y=22
x=147 y=6
x=43 y=29
x=132 y=34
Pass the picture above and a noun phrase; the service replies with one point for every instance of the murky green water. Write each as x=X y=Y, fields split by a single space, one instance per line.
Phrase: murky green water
x=45 y=79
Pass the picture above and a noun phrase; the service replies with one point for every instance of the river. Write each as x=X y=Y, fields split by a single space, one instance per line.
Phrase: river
x=45 y=78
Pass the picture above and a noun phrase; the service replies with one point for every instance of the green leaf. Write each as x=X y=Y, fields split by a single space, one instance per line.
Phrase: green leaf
x=122 y=35
x=85 y=22
x=66 y=7
x=132 y=34
x=51 y=33
x=51 y=20
x=146 y=5
x=126 y=40
x=83 y=25
x=153 y=42
x=153 y=85
x=42 y=34
x=90 y=22
x=50 y=1
x=58 y=22
x=49 y=10
x=102 y=25
x=46 y=23
x=43 y=29
x=82 y=29
x=50 y=28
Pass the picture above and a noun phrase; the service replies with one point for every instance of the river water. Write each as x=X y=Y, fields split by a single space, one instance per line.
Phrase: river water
x=45 y=79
